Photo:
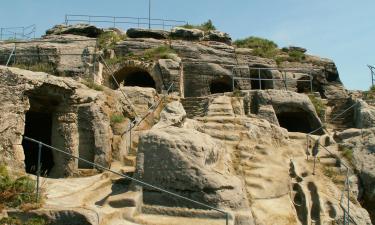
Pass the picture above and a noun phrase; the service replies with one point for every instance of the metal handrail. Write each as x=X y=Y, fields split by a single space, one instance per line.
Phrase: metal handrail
x=347 y=216
x=17 y=32
x=372 y=71
x=116 y=20
x=142 y=183
x=118 y=84
x=260 y=79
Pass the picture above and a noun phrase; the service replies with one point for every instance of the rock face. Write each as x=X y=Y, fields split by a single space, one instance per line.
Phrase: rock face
x=214 y=35
x=64 y=55
x=360 y=143
x=78 y=123
x=77 y=29
x=187 y=34
x=145 y=33
x=189 y=163
x=364 y=115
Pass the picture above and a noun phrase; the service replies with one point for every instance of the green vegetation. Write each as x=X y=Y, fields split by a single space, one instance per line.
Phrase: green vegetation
x=261 y=47
x=17 y=192
x=91 y=84
x=161 y=52
x=238 y=93
x=109 y=39
x=39 y=67
x=206 y=26
x=117 y=118
x=296 y=56
x=15 y=221
x=372 y=88
x=329 y=172
x=347 y=153
x=320 y=108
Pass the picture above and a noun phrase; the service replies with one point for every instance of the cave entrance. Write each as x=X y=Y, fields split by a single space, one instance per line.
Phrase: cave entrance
x=134 y=77
x=295 y=121
x=221 y=85
x=38 y=125
x=261 y=79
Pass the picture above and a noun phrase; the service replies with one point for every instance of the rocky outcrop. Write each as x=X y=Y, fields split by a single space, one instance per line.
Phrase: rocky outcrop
x=76 y=29
x=146 y=33
x=189 y=163
x=187 y=34
x=79 y=122
x=359 y=147
x=214 y=35
x=364 y=114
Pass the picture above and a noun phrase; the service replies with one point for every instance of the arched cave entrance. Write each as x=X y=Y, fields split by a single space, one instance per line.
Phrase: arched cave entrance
x=38 y=125
x=133 y=76
x=261 y=84
x=295 y=121
x=221 y=85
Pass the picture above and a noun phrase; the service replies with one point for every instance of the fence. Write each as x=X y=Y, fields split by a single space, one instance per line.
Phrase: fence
x=259 y=76
x=124 y=22
x=372 y=72
x=15 y=33
x=346 y=209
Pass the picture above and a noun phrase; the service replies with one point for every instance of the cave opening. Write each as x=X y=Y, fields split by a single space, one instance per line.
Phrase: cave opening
x=38 y=125
x=261 y=79
x=134 y=77
x=295 y=121
x=221 y=85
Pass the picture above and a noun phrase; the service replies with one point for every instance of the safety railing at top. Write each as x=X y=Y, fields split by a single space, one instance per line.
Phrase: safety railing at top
x=372 y=73
x=17 y=33
x=315 y=151
x=260 y=77
x=139 y=182
x=124 y=22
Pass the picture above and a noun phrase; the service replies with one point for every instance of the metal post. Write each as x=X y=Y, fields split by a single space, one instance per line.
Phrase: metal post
x=89 y=19
x=260 y=82
x=311 y=86
x=307 y=146
x=348 y=189
x=286 y=81
x=149 y=14
x=314 y=165
x=138 y=22
x=227 y=219
x=38 y=172
x=66 y=19
x=1 y=34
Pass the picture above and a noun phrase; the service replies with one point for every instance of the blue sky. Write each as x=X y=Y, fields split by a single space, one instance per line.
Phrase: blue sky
x=342 y=30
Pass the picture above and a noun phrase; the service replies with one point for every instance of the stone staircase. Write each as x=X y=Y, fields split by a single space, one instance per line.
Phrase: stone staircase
x=343 y=122
x=160 y=215
x=195 y=106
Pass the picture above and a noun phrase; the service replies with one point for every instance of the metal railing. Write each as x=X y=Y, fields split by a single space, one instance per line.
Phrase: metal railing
x=139 y=182
x=15 y=33
x=372 y=72
x=310 y=139
x=249 y=76
x=124 y=21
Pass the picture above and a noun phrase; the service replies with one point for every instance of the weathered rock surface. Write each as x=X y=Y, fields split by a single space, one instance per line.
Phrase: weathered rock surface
x=187 y=34
x=77 y=29
x=146 y=33
x=364 y=114
x=214 y=35
x=173 y=114
x=361 y=144
x=79 y=121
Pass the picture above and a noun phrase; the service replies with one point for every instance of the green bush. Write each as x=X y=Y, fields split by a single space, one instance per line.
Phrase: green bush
x=318 y=104
x=117 y=118
x=296 y=56
x=261 y=47
x=372 y=89
x=39 y=67
x=15 y=192
x=16 y=221
x=161 y=52
x=206 y=26
x=109 y=39
x=91 y=84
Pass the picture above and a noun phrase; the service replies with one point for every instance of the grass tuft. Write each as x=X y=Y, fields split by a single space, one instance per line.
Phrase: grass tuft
x=91 y=84
x=117 y=118
x=261 y=47
x=320 y=108
x=108 y=40
x=206 y=26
